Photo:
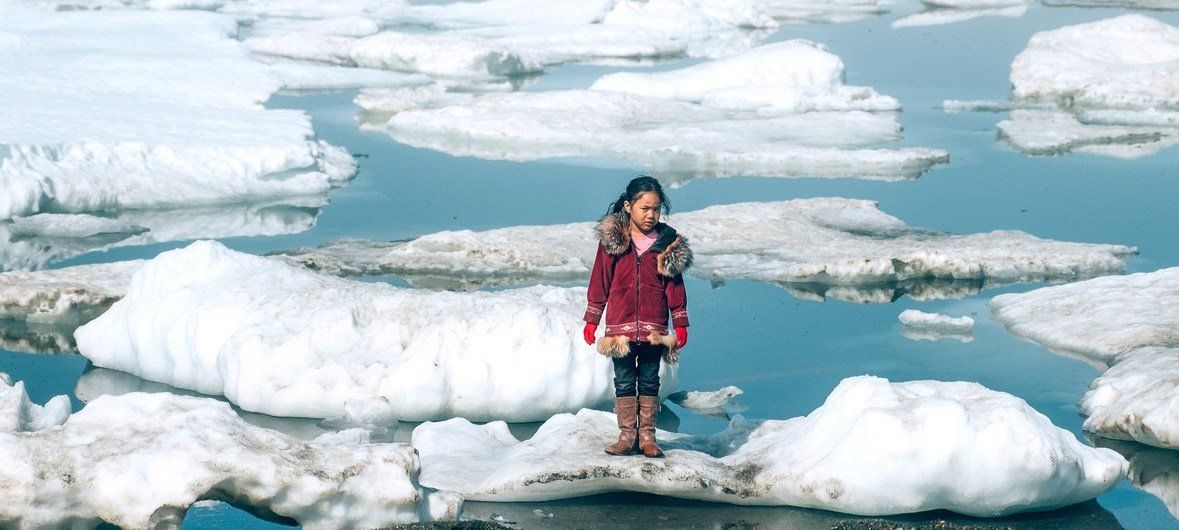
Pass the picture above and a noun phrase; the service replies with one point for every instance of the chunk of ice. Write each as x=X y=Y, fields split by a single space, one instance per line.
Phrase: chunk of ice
x=872 y=448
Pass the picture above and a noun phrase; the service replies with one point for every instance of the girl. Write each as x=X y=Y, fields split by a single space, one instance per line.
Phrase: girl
x=638 y=270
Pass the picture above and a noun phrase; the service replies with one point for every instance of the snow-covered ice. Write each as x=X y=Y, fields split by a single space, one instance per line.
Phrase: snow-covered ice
x=941 y=13
x=803 y=241
x=822 y=11
x=1129 y=324
x=788 y=77
x=777 y=110
x=919 y=325
x=872 y=448
x=1130 y=61
x=107 y=110
x=140 y=460
x=19 y=414
x=289 y=342
x=77 y=293
x=1105 y=87
x=711 y=402
x=1137 y=399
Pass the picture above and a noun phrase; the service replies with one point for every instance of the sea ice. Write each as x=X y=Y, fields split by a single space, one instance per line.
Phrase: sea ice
x=822 y=11
x=19 y=414
x=711 y=402
x=140 y=460
x=1137 y=399
x=765 y=128
x=943 y=14
x=77 y=293
x=289 y=342
x=1104 y=87
x=788 y=77
x=919 y=325
x=801 y=242
x=286 y=216
x=192 y=131
x=1126 y=323
x=872 y=448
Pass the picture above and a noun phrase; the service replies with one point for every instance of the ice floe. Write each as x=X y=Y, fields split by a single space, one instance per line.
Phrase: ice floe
x=1137 y=399
x=1104 y=87
x=19 y=414
x=801 y=243
x=778 y=110
x=180 y=450
x=1129 y=324
x=707 y=402
x=822 y=11
x=919 y=325
x=77 y=293
x=25 y=249
x=209 y=319
x=929 y=445
x=939 y=13
x=191 y=132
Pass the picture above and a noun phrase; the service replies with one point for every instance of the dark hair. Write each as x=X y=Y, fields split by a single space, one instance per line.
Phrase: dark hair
x=638 y=186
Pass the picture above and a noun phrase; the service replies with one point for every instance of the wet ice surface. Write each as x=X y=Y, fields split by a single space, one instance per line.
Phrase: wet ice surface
x=787 y=354
x=932 y=445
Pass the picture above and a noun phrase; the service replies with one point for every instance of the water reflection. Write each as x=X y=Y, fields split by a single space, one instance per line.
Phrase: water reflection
x=630 y=510
x=288 y=216
x=1152 y=469
x=22 y=337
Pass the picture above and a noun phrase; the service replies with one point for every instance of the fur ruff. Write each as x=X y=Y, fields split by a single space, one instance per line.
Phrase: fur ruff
x=613 y=231
x=619 y=346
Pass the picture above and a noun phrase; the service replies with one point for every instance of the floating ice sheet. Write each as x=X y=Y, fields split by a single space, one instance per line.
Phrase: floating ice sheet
x=209 y=319
x=25 y=251
x=1127 y=323
x=919 y=325
x=1137 y=399
x=1104 y=87
x=192 y=130
x=872 y=448
x=756 y=121
x=140 y=460
x=76 y=293
x=802 y=242
x=939 y=15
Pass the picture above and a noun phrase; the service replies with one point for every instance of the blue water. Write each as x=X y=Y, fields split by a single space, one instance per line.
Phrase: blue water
x=784 y=352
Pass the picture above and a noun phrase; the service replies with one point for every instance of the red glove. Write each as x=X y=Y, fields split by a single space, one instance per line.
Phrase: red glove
x=588 y=333
x=681 y=338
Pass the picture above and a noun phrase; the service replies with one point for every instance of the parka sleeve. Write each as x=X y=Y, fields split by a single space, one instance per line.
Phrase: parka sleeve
x=599 y=285
x=677 y=301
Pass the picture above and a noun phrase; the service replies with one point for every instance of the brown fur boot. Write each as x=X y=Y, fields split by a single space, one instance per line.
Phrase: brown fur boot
x=626 y=408
x=648 y=409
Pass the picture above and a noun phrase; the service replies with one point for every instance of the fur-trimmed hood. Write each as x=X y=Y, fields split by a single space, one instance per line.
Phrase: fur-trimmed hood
x=675 y=256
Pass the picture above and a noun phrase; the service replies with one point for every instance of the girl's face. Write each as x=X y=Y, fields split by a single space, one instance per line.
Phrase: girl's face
x=644 y=212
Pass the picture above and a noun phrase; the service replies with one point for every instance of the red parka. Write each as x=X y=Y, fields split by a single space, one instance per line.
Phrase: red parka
x=637 y=291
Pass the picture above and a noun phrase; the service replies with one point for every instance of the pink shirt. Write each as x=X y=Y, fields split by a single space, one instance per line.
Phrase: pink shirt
x=643 y=243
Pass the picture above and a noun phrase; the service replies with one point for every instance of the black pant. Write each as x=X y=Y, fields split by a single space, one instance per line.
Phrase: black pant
x=640 y=366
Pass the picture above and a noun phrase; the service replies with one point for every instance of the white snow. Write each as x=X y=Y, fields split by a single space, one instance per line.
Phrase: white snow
x=306 y=76
x=919 y=325
x=821 y=240
x=873 y=448
x=781 y=78
x=19 y=414
x=1137 y=399
x=108 y=110
x=1130 y=61
x=75 y=293
x=140 y=460
x=288 y=342
x=939 y=15
x=1127 y=323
